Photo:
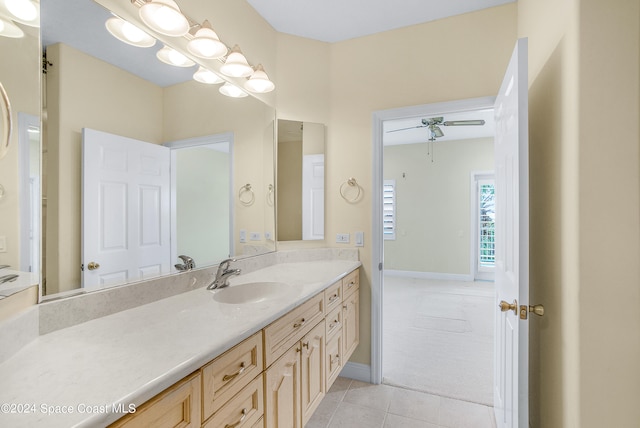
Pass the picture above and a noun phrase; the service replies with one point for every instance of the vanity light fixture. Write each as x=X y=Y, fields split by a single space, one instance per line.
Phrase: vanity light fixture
x=207 y=76
x=9 y=29
x=128 y=33
x=259 y=81
x=165 y=17
x=173 y=57
x=24 y=10
x=206 y=44
x=232 y=91
x=236 y=64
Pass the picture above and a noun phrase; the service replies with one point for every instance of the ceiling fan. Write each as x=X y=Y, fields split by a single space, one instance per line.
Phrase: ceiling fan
x=435 y=131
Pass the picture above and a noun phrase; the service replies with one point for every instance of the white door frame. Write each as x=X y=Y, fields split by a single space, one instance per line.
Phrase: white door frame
x=377 y=256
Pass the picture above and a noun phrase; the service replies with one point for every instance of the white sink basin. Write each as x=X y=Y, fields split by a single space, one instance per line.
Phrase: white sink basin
x=252 y=292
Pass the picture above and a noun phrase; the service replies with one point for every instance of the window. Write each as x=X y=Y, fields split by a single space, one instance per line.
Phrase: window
x=389 y=210
x=486 y=225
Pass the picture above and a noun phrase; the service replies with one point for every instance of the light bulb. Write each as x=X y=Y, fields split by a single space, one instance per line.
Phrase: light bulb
x=22 y=9
x=173 y=57
x=164 y=16
x=206 y=44
x=232 y=91
x=132 y=33
x=259 y=81
x=236 y=64
x=128 y=33
x=206 y=76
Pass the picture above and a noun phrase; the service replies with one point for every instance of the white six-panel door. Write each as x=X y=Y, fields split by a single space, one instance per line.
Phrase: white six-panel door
x=125 y=209
x=313 y=197
x=512 y=244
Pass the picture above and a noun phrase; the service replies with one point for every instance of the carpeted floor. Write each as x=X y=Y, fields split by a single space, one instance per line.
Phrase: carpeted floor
x=438 y=337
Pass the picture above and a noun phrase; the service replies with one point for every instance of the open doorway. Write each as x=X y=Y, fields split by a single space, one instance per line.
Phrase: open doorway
x=435 y=318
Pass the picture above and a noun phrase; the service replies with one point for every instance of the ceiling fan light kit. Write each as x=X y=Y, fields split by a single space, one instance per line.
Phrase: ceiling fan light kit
x=434 y=129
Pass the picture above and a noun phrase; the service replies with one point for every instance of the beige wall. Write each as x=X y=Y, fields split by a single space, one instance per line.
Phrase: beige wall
x=433 y=208
x=585 y=208
x=289 y=199
x=20 y=76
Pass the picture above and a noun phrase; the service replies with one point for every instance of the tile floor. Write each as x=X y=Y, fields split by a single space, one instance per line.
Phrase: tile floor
x=354 y=404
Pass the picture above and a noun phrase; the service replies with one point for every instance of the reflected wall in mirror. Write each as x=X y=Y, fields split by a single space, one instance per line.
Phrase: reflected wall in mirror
x=84 y=89
x=20 y=166
x=300 y=195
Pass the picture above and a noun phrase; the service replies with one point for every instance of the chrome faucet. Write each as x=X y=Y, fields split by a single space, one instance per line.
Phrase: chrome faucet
x=222 y=275
x=187 y=264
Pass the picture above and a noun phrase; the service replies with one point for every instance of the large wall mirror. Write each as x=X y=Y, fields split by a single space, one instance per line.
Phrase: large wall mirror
x=300 y=196
x=98 y=91
x=19 y=156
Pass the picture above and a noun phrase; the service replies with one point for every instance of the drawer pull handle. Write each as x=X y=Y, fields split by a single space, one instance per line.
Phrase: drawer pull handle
x=345 y=307
x=334 y=324
x=231 y=376
x=239 y=421
x=335 y=360
x=299 y=324
x=332 y=298
x=351 y=284
x=306 y=344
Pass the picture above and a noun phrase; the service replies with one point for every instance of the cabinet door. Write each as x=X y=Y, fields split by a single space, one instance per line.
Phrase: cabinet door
x=178 y=406
x=350 y=328
x=282 y=391
x=312 y=369
x=333 y=363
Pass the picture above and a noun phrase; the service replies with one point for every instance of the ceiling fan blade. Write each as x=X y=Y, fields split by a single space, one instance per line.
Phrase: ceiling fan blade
x=404 y=129
x=463 y=122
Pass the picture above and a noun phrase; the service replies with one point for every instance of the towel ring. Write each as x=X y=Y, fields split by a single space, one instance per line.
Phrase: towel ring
x=270 y=195
x=351 y=182
x=5 y=122
x=246 y=195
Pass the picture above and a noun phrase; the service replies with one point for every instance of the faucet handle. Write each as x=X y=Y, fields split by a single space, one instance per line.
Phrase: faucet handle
x=224 y=265
x=188 y=263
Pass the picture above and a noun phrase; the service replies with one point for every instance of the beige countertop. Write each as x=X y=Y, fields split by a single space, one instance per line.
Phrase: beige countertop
x=78 y=375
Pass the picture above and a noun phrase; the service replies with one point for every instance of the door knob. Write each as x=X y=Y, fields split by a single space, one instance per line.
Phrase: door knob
x=505 y=307
x=93 y=266
x=537 y=309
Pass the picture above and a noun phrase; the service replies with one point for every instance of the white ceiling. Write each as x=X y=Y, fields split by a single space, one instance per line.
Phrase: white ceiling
x=337 y=20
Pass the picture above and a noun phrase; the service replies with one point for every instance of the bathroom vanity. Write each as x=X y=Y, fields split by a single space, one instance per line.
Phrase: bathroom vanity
x=191 y=360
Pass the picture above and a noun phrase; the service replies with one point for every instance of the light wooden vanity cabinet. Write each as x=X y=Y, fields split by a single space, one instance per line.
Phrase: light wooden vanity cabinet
x=294 y=354
x=273 y=379
x=177 y=406
x=350 y=313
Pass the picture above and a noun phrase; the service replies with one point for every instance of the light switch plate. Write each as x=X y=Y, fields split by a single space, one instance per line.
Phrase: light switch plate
x=342 y=238
x=243 y=235
x=359 y=239
x=254 y=236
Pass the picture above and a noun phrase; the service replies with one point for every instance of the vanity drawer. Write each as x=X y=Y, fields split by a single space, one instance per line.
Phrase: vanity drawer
x=350 y=283
x=334 y=322
x=230 y=372
x=244 y=410
x=178 y=406
x=280 y=335
x=333 y=296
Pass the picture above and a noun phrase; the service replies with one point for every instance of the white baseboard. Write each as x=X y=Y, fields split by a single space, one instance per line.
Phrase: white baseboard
x=429 y=275
x=357 y=371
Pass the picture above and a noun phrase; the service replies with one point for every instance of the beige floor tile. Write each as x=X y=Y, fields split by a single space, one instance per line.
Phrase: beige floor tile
x=339 y=388
x=415 y=405
x=463 y=414
x=395 y=421
x=350 y=415
x=373 y=396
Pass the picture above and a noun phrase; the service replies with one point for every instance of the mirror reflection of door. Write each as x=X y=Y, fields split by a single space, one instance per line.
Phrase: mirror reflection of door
x=30 y=205
x=300 y=175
